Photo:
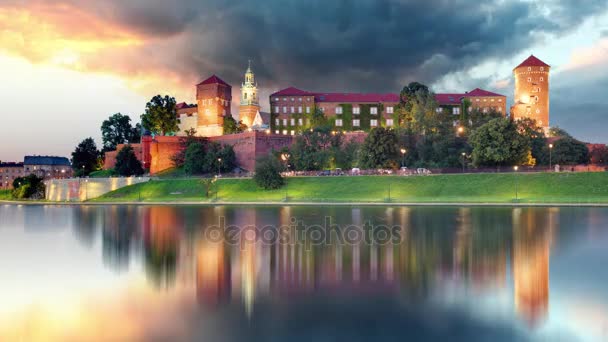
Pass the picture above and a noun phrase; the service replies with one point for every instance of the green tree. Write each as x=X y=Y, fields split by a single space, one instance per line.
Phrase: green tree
x=231 y=126
x=380 y=149
x=558 y=132
x=127 y=163
x=29 y=187
x=117 y=130
x=312 y=150
x=86 y=158
x=499 y=143
x=207 y=184
x=194 y=161
x=160 y=117
x=202 y=157
x=569 y=151
x=599 y=155
x=539 y=148
x=318 y=120
x=268 y=172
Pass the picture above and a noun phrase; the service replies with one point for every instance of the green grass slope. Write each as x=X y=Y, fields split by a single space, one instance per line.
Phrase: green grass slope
x=5 y=195
x=469 y=188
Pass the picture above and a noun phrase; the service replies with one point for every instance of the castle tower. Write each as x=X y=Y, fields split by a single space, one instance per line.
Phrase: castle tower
x=249 y=98
x=532 y=91
x=213 y=97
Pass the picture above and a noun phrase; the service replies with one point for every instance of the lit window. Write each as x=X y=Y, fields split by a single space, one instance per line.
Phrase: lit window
x=285 y=110
x=338 y=110
x=389 y=122
x=300 y=121
x=276 y=99
x=300 y=109
x=307 y=110
x=439 y=110
x=374 y=110
x=499 y=100
x=300 y=99
x=389 y=110
x=356 y=110
x=293 y=110
x=499 y=109
x=338 y=122
x=293 y=122
x=293 y=132
x=538 y=111
x=277 y=132
x=492 y=100
x=284 y=122
x=292 y=99
x=484 y=100
x=356 y=123
x=277 y=122
x=477 y=100
x=373 y=123
x=284 y=132
x=284 y=99
x=485 y=109
x=456 y=110
x=276 y=109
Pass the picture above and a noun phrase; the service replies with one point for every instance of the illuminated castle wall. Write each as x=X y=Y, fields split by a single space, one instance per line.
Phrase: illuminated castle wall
x=532 y=91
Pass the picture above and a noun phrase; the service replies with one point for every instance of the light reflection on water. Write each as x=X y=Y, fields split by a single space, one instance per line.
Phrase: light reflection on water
x=150 y=272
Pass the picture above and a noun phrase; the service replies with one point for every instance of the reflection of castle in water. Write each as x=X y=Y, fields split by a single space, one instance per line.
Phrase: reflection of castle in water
x=471 y=247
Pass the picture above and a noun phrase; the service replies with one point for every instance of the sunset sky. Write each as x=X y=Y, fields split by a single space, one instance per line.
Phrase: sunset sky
x=67 y=65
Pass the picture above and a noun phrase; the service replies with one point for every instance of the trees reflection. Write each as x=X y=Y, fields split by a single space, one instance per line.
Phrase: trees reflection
x=472 y=247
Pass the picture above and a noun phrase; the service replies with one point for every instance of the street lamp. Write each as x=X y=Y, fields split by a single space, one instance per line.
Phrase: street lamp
x=550 y=156
x=219 y=162
x=403 y=152
x=285 y=158
x=86 y=189
x=460 y=130
x=516 y=180
x=463 y=161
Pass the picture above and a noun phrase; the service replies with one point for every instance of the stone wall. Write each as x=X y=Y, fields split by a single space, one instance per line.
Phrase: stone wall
x=82 y=189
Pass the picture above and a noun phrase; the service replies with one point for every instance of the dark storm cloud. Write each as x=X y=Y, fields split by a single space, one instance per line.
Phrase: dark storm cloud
x=344 y=44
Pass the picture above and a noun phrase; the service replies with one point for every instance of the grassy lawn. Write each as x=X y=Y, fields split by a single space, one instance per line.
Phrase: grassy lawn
x=473 y=188
x=102 y=173
x=5 y=194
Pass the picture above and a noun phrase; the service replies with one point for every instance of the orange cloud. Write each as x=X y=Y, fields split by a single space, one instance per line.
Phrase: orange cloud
x=69 y=37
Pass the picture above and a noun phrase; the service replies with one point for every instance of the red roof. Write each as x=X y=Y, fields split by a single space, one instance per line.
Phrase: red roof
x=356 y=97
x=291 y=91
x=448 y=99
x=532 y=61
x=481 y=93
x=214 y=80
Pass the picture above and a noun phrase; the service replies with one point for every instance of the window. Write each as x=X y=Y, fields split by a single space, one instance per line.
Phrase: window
x=499 y=100
x=542 y=79
x=492 y=100
x=538 y=111
x=339 y=110
x=389 y=110
x=284 y=99
x=284 y=122
x=374 y=110
x=293 y=132
x=373 y=123
x=536 y=99
x=276 y=99
x=277 y=132
x=389 y=122
x=300 y=99
x=477 y=100
x=485 y=109
x=438 y=110
x=300 y=109
x=456 y=110
x=307 y=110
x=485 y=100
x=293 y=122
x=529 y=68
x=356 y=110
x=356 y=123
x=245 y=96
x=285 y=110
x=542 y=68
x=293 y=110
x=499 y=109
x=300 y=122
x=277 y=122
x=338 y=122
x=284 y=132
x=276 y=109
x=529 y=79
x=292 y=99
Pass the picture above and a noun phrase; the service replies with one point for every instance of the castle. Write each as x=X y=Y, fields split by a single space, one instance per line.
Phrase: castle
x=532 y=91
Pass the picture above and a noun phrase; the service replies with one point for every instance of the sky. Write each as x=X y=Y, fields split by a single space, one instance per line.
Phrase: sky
x=66 y=65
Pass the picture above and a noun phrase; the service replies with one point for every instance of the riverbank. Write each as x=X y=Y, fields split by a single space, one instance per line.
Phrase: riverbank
x=481 y=189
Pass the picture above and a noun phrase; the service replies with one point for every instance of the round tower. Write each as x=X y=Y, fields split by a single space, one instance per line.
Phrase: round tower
x=250 y=104
x=532 y=91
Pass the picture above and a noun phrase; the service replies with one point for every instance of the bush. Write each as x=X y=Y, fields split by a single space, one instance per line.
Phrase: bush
x=127 y=163
x=30 y=187
x=268 y=173
x=203 y=157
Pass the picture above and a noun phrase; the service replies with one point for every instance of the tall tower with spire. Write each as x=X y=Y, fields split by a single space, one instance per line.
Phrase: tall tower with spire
x=250 y=104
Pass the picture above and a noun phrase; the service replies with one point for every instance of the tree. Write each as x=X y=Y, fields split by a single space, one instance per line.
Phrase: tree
x=268 y=172
x=569 y=151
x=599 y=155
x=231 y=126
x=499 y=143
x=117 y=130
x=380 y=149
x=194 y=162
x=160 y=117
x=558 y=132
x=127 y=163
x=29 y=187
x=86 y=158
x=318 y=119
x=207 y=183
x=203 y=157
x=312 y=150
x=539 y=148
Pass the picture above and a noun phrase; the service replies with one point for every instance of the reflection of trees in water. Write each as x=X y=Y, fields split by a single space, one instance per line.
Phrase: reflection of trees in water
x=162 y=227
x=120 y=230
x=86 y=220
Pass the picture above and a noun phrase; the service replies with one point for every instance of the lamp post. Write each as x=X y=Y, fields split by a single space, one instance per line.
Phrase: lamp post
x=460 y=130
x=516 y=180
x=86 y=189
x=219 y=162
x=403 y=152
x=550 y=157
x=285 y=158
x=463 y=161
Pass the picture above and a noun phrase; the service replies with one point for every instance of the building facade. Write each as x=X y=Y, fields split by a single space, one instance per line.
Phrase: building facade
x=532 y=91
x=291 y=108
x=48 y=167
x=250 y=104
x=9 y=172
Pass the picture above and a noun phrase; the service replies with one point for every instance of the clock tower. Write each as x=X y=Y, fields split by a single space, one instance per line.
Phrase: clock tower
x=250 y=104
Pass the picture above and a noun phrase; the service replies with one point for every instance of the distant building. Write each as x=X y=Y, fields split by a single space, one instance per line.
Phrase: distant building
x=48 y=167
x=532 y=91
x=250 y=104
x=355 y=111
x=8 y=173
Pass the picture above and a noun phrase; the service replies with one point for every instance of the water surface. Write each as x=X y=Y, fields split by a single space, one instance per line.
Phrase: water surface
x=428 y=273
